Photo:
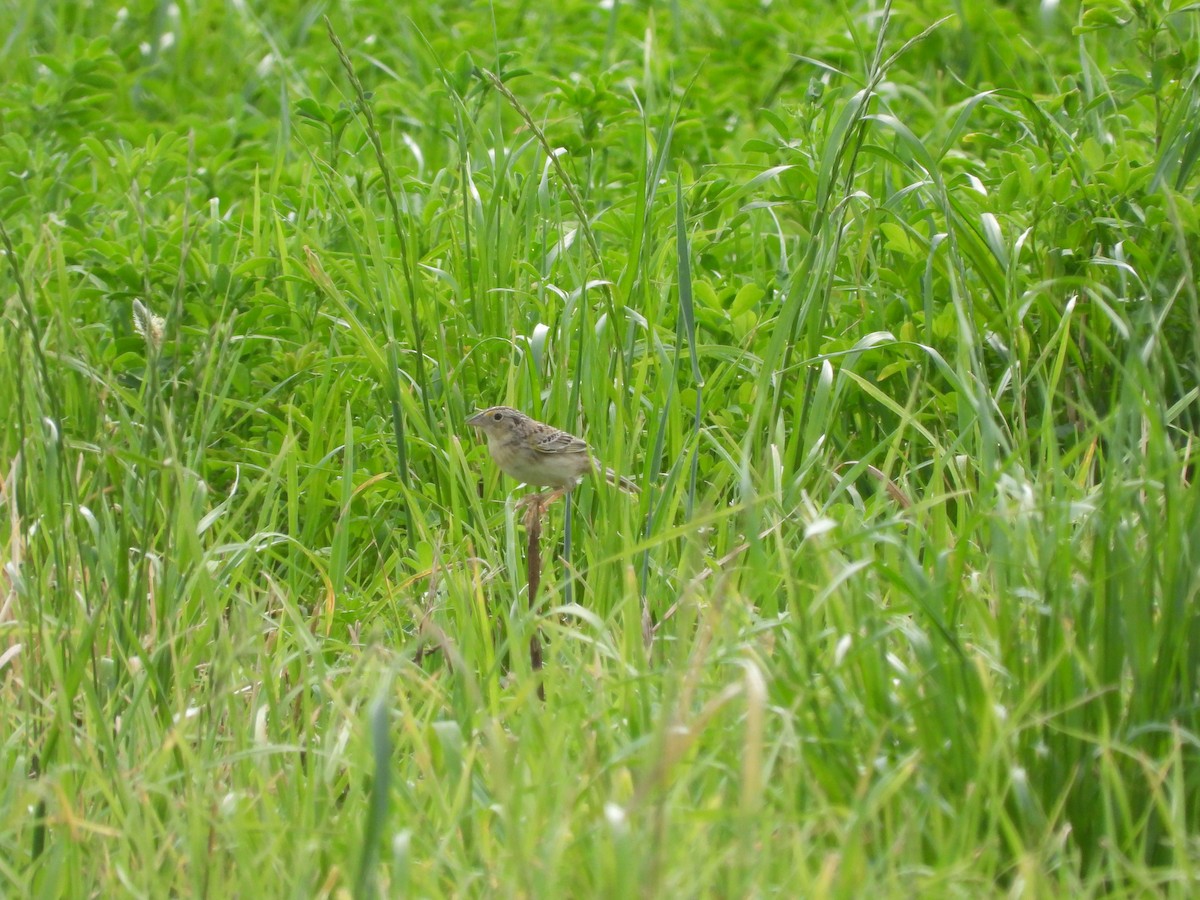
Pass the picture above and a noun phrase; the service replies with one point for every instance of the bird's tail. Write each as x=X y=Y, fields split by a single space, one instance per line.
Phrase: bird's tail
x=622 y=482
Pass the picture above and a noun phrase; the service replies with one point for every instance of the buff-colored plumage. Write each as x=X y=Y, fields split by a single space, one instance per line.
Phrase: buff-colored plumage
x=538 y=454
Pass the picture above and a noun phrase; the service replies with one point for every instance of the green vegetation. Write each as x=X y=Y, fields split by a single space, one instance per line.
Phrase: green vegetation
x=891 y=309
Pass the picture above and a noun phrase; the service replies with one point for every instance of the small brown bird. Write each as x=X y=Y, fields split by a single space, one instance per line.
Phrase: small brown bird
x=537 y=454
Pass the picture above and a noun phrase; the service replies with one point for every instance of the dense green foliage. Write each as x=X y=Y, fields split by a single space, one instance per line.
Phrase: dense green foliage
x=891 y=309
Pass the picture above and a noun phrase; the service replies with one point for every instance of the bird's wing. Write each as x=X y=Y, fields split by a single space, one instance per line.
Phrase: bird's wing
x=554 y=441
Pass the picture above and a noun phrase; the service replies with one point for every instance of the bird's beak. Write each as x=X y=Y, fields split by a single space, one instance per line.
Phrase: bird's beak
x=477 y=420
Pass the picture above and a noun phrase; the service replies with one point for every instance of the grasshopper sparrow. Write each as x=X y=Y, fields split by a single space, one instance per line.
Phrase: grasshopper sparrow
x=537 y=454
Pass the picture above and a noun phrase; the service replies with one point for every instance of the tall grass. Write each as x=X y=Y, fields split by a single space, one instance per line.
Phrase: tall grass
x=893 y=317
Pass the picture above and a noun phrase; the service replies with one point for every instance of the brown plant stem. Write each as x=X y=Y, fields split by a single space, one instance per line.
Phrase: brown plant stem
x=533 y=526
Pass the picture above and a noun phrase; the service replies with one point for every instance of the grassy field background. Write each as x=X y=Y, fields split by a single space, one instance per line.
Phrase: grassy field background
x=890 y=308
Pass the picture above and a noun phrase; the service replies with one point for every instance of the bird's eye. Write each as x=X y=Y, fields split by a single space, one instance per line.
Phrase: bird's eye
x=497 y=417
